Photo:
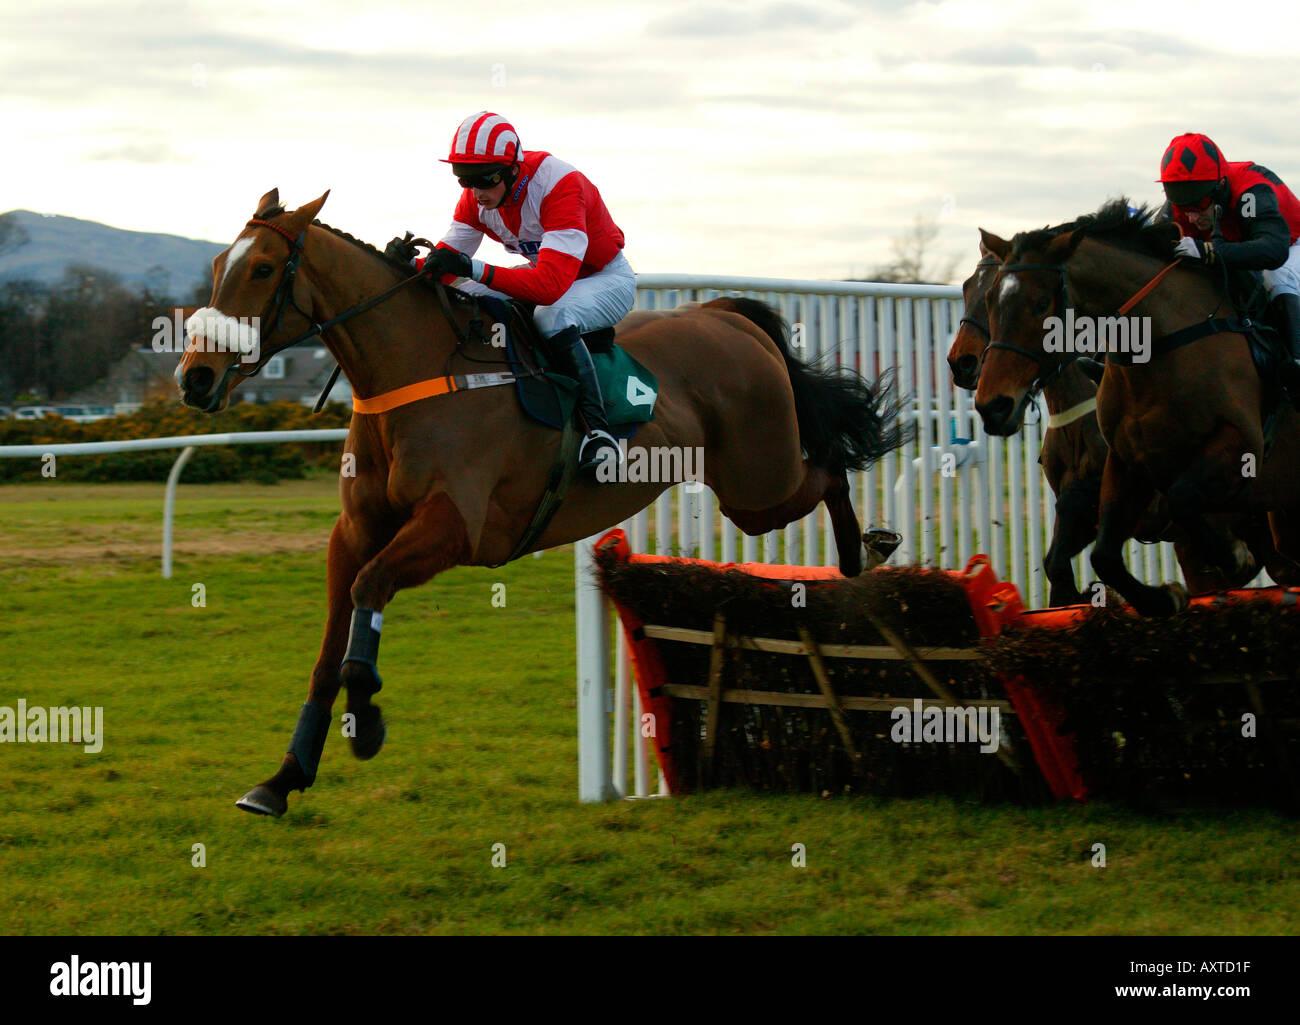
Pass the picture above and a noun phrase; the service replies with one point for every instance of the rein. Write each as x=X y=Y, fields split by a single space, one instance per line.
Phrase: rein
x=1048 y=370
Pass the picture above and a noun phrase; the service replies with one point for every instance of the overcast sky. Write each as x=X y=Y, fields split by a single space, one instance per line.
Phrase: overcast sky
x=771 y=138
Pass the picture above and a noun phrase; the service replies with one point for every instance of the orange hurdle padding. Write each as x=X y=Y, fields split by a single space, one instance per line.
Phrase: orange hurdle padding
x=996 y=607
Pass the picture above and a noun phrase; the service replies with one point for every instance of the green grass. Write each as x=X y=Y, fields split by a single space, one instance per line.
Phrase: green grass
x=199 y=704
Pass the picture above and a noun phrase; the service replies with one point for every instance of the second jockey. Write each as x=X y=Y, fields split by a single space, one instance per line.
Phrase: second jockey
x=547 y=211
x=1258 y=228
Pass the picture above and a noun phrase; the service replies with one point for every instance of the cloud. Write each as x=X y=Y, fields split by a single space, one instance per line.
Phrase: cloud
x=139 y=152
x=996 y=54
x=736 y=20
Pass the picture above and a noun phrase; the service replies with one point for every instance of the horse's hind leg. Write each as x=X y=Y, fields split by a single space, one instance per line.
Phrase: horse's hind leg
x=298 y=769
x=817 y=485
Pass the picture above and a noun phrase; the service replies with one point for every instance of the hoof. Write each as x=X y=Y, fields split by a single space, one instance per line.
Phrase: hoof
x=1165 y=600
x=878 y=544
x=371 y=733
x=262 y=800
x=1245 y=570
x=1059 y=599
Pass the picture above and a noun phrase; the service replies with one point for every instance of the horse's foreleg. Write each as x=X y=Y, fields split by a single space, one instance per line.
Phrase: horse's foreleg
x=298 y=770
x=1076 y=526
x=432 y=540
x=1124 y=498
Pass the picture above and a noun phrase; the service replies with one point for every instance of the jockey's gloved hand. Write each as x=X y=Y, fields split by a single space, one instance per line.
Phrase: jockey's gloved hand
x=448 y=261
x=401 y=249
x=1194 y=249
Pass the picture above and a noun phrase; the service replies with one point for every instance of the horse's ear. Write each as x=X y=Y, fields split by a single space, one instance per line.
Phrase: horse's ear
x=305 y=214
x=992 y=245
x=1063 y=246
x=268 y=205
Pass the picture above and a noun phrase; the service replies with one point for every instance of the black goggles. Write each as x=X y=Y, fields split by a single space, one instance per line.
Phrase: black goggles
x=484 y=180
x=1195 y=194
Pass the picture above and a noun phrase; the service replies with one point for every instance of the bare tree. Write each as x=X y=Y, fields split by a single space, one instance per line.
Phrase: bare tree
x=912 y=249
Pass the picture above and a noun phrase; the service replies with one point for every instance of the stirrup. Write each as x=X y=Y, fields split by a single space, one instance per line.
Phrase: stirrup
x=594 y=446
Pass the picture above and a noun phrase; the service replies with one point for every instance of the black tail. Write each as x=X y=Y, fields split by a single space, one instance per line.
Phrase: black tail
x=845 y=423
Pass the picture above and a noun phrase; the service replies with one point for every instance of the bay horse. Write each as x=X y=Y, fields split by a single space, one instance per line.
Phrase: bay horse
x=1073 y=455
x=455 y=478
x=1073 y=451
x=1187 y=423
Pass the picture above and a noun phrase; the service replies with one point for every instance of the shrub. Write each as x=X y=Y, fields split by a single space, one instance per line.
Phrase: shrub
x=209 y=464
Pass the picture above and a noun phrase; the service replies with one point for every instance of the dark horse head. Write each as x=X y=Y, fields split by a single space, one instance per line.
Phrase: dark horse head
x=1031 y=305
x=967 y=349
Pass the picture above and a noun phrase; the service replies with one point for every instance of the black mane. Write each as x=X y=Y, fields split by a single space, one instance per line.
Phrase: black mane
x=1137 y=229
x=405 y=268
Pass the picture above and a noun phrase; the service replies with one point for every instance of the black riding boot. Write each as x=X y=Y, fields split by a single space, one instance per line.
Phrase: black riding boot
x=1284 y=313
x=573 y=359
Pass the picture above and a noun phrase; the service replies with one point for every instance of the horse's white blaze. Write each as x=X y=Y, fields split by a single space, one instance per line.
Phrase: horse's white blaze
x=213 y=331
x=237 y=252
x=1009 y=285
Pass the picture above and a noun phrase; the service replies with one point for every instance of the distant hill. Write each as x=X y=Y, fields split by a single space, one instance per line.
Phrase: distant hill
x=39 y=247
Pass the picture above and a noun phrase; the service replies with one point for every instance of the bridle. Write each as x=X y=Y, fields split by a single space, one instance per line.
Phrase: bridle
x=1050 y=367
x=988 y=261
x=283 y=297
x=274 y=312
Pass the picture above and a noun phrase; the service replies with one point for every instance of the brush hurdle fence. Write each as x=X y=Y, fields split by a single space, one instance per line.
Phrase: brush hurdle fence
x=952 y=493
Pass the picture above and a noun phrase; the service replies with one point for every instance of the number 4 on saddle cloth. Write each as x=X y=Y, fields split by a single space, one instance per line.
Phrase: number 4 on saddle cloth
x=628 y=388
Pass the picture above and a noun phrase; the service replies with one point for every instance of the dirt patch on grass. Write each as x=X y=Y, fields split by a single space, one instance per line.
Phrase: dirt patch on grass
x=115 y=549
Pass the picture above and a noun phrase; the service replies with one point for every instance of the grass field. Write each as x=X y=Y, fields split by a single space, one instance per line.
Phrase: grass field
x=199 y=703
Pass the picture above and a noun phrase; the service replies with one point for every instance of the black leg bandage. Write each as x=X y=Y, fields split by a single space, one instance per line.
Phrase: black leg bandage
x=309 y=739
x=363 y=642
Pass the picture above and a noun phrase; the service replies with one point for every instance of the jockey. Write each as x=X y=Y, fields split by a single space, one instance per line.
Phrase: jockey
x=1258 y=228
x=546 y=210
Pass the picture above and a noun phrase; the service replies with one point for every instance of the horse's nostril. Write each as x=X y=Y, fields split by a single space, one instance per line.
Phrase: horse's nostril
x=997 y=410
x=967 y=364
x=199 y=380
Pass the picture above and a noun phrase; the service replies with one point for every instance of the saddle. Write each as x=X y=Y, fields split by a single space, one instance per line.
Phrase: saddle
x=629 y=390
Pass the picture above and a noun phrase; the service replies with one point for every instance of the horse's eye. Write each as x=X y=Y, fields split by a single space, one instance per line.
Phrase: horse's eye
x=262 y=271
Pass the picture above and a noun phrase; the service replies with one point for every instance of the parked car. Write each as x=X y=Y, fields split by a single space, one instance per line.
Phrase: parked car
x=33 y=412
x=84 y=414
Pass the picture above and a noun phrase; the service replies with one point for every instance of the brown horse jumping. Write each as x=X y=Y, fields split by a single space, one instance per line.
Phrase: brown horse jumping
x=455 y=479
x=1073 y=456
x=1187 y=423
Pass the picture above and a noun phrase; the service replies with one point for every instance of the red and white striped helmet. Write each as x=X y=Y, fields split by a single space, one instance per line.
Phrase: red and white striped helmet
x=484 y=138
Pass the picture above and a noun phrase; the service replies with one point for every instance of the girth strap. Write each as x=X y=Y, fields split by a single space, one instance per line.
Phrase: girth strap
x=409 y=393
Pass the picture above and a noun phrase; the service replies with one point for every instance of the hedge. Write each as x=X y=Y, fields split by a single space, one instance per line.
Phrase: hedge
x=209 y=464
